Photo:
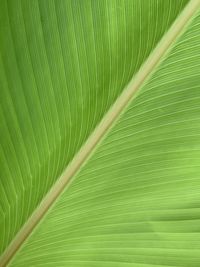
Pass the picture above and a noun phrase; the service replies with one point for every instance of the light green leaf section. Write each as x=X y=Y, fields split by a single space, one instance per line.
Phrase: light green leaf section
x=136 y=201
x=62 y=65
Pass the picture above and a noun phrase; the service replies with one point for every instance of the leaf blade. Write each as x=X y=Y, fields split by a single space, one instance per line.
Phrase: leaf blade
x=159 y=144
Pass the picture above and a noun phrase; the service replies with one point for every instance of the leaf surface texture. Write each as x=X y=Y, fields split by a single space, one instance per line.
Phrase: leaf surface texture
x=135 y=201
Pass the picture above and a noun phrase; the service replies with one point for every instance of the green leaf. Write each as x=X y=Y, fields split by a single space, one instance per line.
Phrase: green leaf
x=133 y=195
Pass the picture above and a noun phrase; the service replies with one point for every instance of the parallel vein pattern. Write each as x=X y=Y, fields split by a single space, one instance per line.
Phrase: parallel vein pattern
x=62 y=64
x=136 y=201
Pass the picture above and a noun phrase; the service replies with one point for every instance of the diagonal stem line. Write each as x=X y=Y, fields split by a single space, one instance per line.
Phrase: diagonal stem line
x=105 y=125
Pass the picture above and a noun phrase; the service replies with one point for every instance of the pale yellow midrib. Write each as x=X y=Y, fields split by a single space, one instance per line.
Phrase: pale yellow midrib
x=107 y=122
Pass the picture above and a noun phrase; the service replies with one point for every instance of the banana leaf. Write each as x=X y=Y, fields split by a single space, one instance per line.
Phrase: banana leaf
x=100 y=133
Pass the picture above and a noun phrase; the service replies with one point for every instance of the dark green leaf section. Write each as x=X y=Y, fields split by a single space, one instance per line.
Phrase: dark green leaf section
x=62 y=65
x=136 y=202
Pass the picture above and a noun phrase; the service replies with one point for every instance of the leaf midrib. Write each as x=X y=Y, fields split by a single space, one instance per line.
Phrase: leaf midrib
x=105 y=125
